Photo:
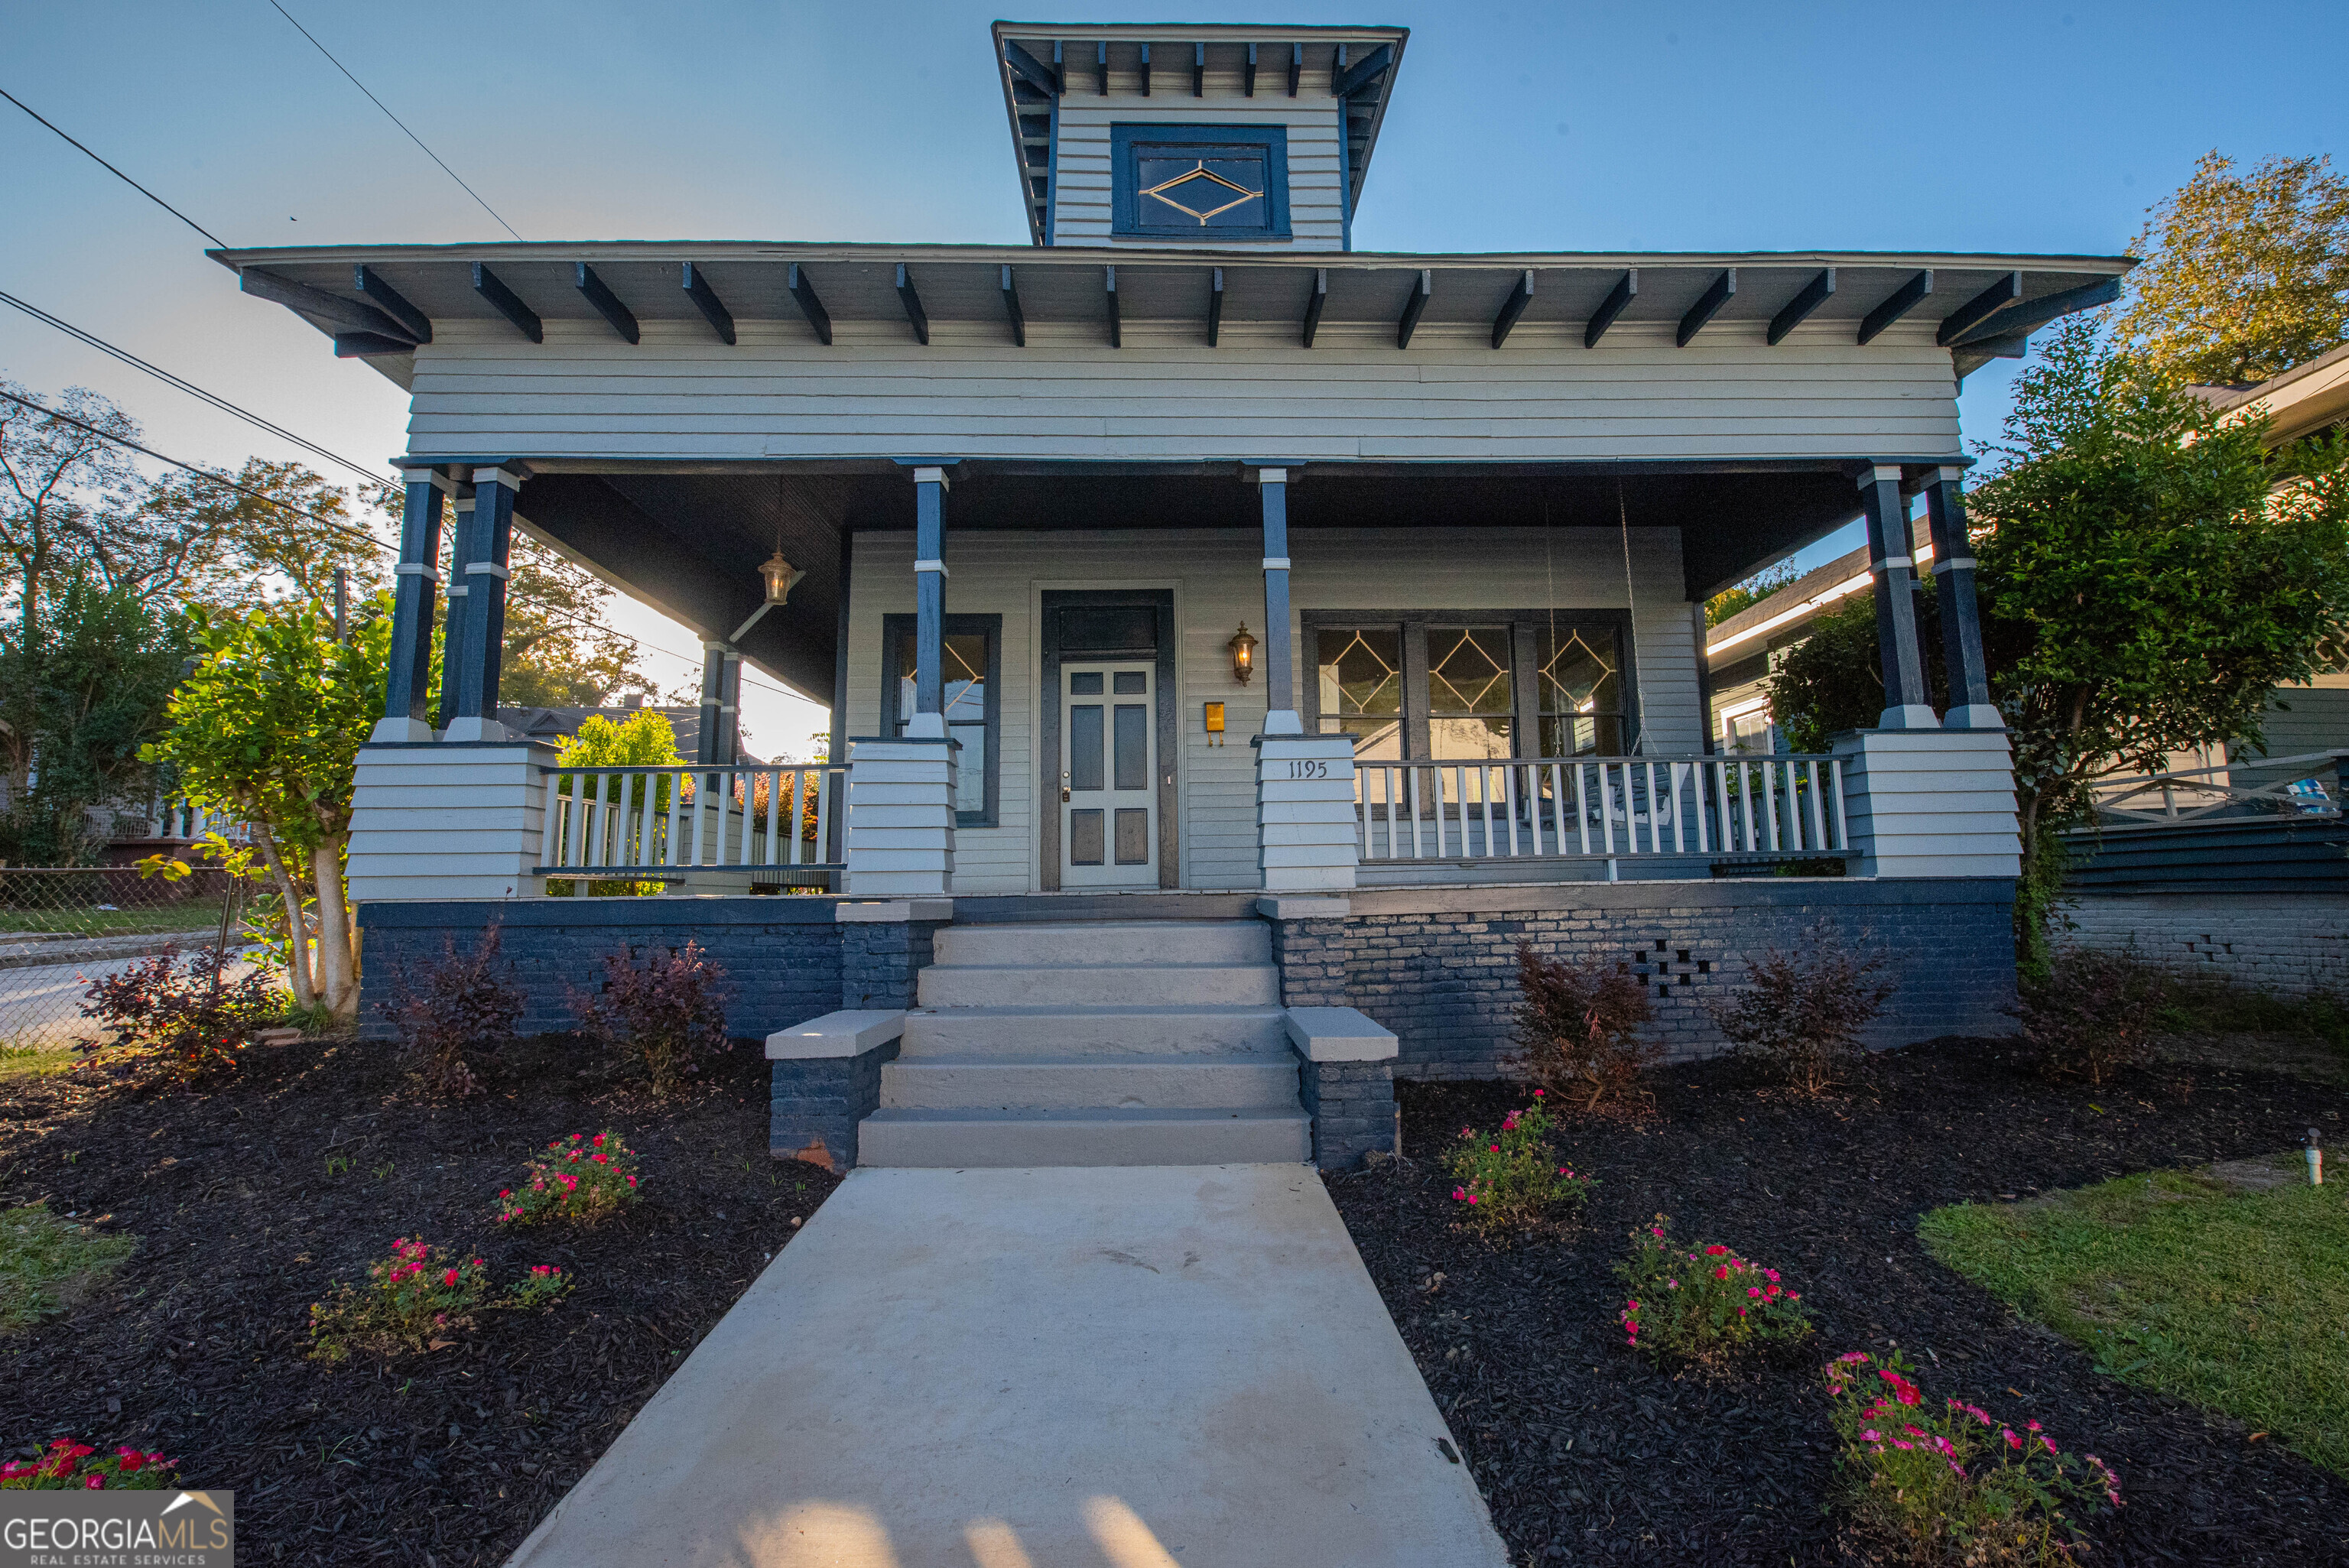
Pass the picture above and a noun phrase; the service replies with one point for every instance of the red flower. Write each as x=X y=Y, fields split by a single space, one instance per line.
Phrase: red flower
x=94 y=1484
x=448 y=1278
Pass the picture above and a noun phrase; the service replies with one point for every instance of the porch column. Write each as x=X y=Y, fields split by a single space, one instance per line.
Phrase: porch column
x=1279 y=659
x=414 y=605
x=713 y=682
x=452 y=640
x=1953 y=580
x=485 y=572
x=729 y=707
x=901 y=788
x=929 y=604
x=1907 y=704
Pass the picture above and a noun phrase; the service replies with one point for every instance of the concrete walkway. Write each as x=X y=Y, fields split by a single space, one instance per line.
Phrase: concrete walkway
x=1124 y=1367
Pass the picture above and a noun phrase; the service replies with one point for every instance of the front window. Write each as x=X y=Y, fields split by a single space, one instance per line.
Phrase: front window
x=970 y=702
x=1581 y=689
x=1470 y=705
x=1360 y=671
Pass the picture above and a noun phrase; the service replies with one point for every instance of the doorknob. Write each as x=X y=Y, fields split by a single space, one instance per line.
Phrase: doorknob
x=1064 y=786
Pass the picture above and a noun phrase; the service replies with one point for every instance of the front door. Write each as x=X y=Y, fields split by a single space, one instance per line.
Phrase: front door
x=1109 y=772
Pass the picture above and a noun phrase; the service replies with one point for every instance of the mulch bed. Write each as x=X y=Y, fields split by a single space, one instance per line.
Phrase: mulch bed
x=1587 y=1452
x=443 y=1459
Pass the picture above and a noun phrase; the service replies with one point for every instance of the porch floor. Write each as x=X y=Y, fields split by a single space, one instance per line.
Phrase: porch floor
x=1145 y=1365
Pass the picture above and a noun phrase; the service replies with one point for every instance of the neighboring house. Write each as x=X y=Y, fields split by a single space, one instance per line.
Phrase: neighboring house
x=552 y=725
x=1336 y=616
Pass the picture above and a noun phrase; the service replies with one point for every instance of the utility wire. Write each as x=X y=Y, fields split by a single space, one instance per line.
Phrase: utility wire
x=393 y=117
x=338 y=525
x=217 y=242
x=222 y=404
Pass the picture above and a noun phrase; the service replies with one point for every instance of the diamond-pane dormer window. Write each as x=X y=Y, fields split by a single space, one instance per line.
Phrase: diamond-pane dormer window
x=1218 y=181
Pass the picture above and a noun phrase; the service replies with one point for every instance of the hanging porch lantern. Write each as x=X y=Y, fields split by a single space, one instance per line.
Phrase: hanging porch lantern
x=1243 y=647
x=781 y=575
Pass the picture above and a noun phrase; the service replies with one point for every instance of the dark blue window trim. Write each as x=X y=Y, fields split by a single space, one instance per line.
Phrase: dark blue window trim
x=1127 y=141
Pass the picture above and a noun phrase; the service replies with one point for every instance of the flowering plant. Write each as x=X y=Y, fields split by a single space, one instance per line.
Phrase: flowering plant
x=413 y=1297
x=1956 y=1485
x=69 y=1467
x=1702 y=1302
x=1511 y=1176
x=579 y=1179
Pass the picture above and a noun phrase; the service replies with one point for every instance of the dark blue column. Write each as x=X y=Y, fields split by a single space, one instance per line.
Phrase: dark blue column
x=929 y=604
x=452 y=640
x=713 y=681
x=1280 y=658
x=1971 y=706
x=415 y=602
x=1907 y=705
x=485 y=572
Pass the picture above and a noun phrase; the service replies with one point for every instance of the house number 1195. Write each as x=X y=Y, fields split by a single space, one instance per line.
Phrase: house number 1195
x=1309 y=770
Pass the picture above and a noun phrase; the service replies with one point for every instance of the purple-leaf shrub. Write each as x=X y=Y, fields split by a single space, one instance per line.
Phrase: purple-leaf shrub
x=452 y=1007
x=663 y=1011
x=1579 y=1026
x=192 y=1015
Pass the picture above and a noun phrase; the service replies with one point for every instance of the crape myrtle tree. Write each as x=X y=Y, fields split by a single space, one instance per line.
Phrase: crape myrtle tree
x=266 y=729
x=2149 y=569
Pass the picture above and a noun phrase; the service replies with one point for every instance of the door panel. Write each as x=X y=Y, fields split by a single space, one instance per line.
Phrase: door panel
x=1109 y=768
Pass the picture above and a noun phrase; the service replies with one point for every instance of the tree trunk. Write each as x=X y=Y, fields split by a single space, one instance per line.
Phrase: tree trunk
x=339 y=966
x=298 y=945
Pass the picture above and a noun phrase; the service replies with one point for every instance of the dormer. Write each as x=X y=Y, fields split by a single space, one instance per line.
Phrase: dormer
x=1218 y=138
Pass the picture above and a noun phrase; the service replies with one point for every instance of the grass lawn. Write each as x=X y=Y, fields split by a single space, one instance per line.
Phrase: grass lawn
x=88 y=920
x=2235 y=1300
x=46 y=1262
x=35 y=1061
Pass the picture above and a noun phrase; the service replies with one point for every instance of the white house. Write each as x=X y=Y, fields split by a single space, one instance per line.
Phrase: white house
x=1279 y=627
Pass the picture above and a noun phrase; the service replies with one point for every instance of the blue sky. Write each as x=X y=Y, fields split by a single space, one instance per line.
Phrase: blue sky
x=2040 y=128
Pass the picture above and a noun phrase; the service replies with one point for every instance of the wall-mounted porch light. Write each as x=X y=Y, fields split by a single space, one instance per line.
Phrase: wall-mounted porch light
x=1243 y=647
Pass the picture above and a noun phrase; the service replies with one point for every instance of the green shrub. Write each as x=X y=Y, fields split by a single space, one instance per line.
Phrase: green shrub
x=1955 y=1486
x=414 y=1298
x=1513 y=1177
x=579 y=1179
x=1702 y=1303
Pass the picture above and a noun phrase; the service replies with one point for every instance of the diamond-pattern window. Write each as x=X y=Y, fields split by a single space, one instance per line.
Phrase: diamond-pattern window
x=1469 y=694
x=1214 y=193
x=1581 y=691
x=1360 y=671
x=965 y=672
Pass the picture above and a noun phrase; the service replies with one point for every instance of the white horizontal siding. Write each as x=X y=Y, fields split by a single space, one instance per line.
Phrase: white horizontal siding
x=1218 y=583
x=1081 y=190
x=683 y=396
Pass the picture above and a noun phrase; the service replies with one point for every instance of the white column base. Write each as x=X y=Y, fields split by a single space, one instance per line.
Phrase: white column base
x=1930 y=803
x=1306 y=840
x=395 y=732
x=1284 y=721
x=477 y=730
x=439 y=822
x=901 y=817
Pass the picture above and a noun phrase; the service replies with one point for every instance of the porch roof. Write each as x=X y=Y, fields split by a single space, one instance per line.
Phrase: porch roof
x=690 y=542
x=380 y=302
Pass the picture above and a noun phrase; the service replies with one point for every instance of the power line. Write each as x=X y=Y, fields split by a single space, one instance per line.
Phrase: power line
x=222 y=404
x=338 y=525
x=217 y=242
x=393 y=117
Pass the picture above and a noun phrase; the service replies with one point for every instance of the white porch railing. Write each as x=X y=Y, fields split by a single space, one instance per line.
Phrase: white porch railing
x=621 y=822
x=1610 y=807
x=2184 y=794
x=179 y=819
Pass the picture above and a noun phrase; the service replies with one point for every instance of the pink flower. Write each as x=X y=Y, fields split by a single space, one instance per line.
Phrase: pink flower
x=448 y=1278
x=1537 y=1093
x=1871 y=1435
x=599 y=1140
x=95 y=1483
x=1472 y=1197
x=2012 y=1441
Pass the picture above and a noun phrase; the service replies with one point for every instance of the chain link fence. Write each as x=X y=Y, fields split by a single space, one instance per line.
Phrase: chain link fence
x=60 y=928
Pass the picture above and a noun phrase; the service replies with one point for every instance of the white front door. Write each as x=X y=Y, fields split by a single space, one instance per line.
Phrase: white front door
x=1109 y=775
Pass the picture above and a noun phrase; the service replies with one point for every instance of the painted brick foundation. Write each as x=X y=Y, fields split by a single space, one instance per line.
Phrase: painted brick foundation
x=1353 y=1108
x=781 y=954
x=1438 y=966
x=814 y=1106
x=2284 y=944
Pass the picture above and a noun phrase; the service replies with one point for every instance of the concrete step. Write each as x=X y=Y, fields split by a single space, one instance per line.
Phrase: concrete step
x=959 y=1139
x=1100 y=985
x=1093 y=1031
x=1109 y=941
x=1166 y=1083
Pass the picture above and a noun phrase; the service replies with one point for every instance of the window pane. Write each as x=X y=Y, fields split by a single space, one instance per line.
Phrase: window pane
x=1358 y=672
x=1195 y=187
x=1132 y=745
x=905 y=653
x=1088 y=744
x=966 y=678
x=1468 y=671
x=1567 y=736
x=970 y=767
x=1467 y=739
x=1580 y=670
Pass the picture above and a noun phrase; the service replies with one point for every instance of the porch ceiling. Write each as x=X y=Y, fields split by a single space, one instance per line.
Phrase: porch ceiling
x=690 y=543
